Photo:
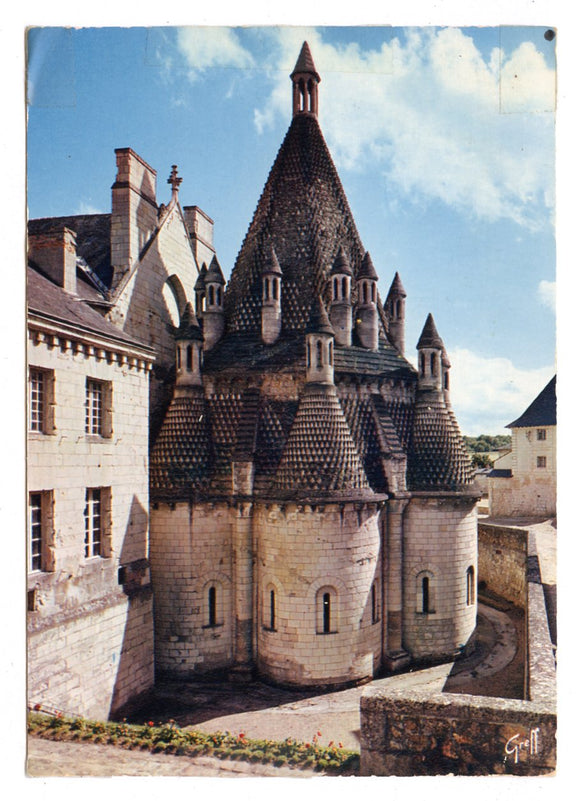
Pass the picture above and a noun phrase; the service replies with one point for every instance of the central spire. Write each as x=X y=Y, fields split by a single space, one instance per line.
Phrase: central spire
x=305 y=82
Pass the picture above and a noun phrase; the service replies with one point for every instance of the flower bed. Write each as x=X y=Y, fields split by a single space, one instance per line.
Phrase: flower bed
x=169 y=738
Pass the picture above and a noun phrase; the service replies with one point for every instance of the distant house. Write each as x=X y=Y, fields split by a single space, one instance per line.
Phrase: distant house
x=523 y=481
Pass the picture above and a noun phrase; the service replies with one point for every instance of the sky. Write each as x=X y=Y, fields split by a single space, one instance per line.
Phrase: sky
x=444 y=139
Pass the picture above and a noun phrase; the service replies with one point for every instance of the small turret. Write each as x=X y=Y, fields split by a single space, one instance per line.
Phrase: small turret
x=395 y=311
x=189 y=347
x=446 y=365
x=367 y=317
x=271 y=297
x=430 y=347
x=213 y=314
x=340 y=305
x=319 y=346
x=305 y=82
x=199 y=289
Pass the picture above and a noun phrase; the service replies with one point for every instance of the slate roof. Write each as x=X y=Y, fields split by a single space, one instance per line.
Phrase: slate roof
x=542 y=410
x=93 y=239
x=47 y=299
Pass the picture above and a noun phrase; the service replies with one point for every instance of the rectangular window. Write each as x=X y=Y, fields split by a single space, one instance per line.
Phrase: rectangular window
x=98 y=408
x=541 y=461
x=39 y=531
x=35 y=529
x=40 y=400
x=97 y=510
x=541 y=434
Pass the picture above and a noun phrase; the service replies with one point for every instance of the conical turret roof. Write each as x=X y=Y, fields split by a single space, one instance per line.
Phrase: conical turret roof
x=397 y=287
x=367 y=268
x=319 y=322
x=341 y=264
x=214 y=275
x=270 y=263
x=305 y=63
x=430 y=336
x=188 y=327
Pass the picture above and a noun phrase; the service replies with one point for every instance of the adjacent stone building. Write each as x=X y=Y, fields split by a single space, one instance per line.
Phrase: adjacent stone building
x=313 y=510
x=523 y=481
x=90 y=632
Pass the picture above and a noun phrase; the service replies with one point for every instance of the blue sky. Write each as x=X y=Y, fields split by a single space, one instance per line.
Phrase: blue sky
x=443 y=138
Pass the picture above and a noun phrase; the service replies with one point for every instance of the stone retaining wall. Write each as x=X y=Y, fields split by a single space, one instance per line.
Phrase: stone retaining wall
x=502 y=561
x=420 y=733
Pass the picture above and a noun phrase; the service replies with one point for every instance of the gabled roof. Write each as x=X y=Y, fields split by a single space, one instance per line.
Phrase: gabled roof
x=542 y=411
x=93 y=238
x=51 y=302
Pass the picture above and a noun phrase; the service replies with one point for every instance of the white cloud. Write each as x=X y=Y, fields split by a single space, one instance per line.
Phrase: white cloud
x=211 y=47
x=429 y=114
x=85 y=207
x=547 y=293
x=489 y=393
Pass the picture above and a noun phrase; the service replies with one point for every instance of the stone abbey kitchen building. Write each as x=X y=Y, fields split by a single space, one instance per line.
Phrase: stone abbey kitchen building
x=310 y=509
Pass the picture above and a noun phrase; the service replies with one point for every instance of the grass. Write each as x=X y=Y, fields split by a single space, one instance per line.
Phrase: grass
x=170 y=739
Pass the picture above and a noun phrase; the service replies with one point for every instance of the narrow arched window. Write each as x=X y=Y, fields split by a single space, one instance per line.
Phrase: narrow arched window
x=330 y=349
x=219 y=296
x=375 y=609
x=422 y=363
x=189 y=356
x=425 y=595
x=266 y=289
x=319 y=354
x=211 y=296
x=308 y=356
x=446 y=380
x=275 y=285
x=432 y=364
x=335 y=289
x=272 y=609
x=470 y=586
x=212 y=607
x=178 y=354
x=344 y=288
x=373 y=292
x=326 y=613
x=365 y=294
x=398 y=309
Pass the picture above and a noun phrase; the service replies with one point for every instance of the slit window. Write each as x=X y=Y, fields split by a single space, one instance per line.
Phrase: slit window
x=425 y=595
x=272 y=609
x=470 y=586
x=212 y=606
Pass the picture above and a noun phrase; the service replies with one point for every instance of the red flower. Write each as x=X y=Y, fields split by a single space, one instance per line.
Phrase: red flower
x=331 y=743
x=340 y=745
x=319 y=733
x=151 y=723
x=37 y=707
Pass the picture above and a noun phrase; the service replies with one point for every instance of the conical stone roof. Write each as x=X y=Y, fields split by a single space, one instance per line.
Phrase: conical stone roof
x=320 y=458
x=438 y=459
x=304 y=212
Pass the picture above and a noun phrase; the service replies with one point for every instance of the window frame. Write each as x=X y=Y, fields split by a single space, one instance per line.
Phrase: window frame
x=98 y=418
x=97 y=507
x=42 y=422
x=40 y=560
x=541 y=462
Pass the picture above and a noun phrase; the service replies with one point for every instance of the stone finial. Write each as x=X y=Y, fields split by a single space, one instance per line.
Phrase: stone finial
x=175 y=181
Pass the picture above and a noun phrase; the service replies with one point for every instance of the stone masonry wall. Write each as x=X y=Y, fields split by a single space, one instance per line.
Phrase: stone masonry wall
x=142 y=311
x=306 y=552
x=81 y=626
x=440 y=544
x=94 y=663
x=190 y=553
x=503 y=558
